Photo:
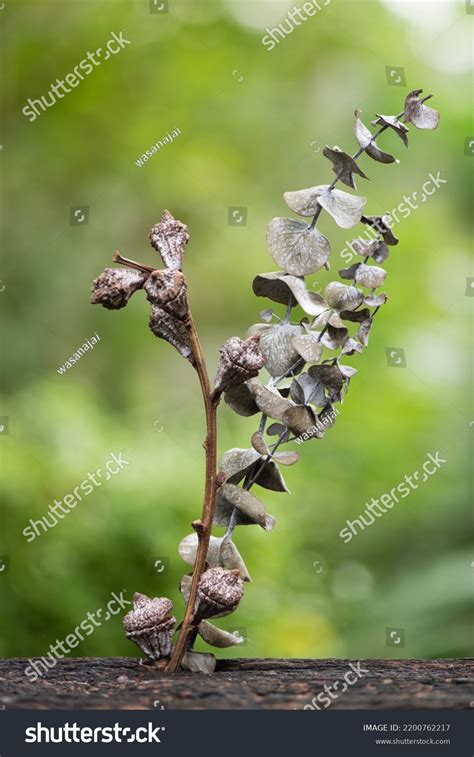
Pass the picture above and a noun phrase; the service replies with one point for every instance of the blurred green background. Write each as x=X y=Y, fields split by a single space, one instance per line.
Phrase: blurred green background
x=253 y=125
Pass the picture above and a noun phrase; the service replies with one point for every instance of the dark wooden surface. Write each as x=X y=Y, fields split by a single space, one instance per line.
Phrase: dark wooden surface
x=124 y=683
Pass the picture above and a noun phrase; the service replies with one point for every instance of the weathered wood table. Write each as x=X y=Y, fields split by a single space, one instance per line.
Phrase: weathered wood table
x=123 y=683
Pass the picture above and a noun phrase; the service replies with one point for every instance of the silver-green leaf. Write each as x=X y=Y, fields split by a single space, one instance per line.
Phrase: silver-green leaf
x=297 y=248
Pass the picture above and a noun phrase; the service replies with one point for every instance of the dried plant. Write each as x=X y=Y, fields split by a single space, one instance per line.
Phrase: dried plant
x=306 y=360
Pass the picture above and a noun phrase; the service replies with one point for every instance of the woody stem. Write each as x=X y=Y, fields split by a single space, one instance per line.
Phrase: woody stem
x=203 y=526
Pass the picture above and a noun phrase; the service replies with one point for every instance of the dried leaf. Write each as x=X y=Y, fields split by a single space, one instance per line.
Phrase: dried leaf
x=356 y=316
x=343 y=166
x=308 y=347
x=343 y=297
x=217 y=637
x=231 y=559
x=393 y=123
x=370 y=276
x=269 y=401
x=346 y=209
x=239 y=361
x=236 y=463
x=327 y=416
x=270 y=477
x=375 y=300
x=313 y=390
x=297 y=248
x=166 y=326
x=329 y=375
x=241 y=401
x=185 y=586
x=347 y=371
x=381 y=224
x=334 y=338
x=301 y=419
x=283 y=288
x=349 y=273
x=350 y=346
x=305 y=201
x=364 y=331
x=251 y=510
x=274 y=285
x=376 y=249
x=167 y=289
x=199 y=662
x=259 y=444
x=187 y=549
x=297 y=393
x=419 y=114
x=276 y=345
x=114 y=287
x=286 y=458
x=331 y=318
x=365 y=139
x=277 y=429
x=169 y=237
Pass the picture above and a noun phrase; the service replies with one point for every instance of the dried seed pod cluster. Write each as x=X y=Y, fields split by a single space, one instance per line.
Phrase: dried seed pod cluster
x=305 y=359
x=165 y=289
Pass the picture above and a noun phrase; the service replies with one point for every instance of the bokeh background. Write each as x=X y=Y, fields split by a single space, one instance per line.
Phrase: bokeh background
x=253 y=125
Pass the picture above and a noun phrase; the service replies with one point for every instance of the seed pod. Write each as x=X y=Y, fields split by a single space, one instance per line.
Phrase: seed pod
x=169 y=237
x=150 y=626
x=114 y=287
x=240 y=360
x=219 y=593
x=167 y=288
x=174 y=331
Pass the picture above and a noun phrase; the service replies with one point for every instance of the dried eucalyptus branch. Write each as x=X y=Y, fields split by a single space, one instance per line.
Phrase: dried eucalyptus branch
x=303 y=360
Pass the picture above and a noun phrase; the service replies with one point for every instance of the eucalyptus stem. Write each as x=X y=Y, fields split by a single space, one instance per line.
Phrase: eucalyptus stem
x=354 y=157
x=275 y=381
x=203 y=527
